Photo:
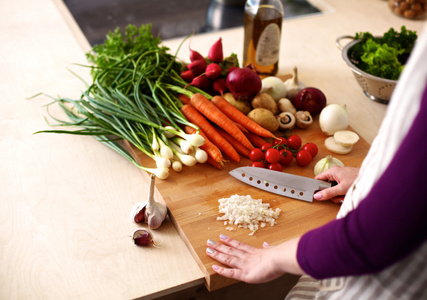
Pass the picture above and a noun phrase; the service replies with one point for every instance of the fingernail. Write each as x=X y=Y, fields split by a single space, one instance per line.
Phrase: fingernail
x=215 y=267
x=222 y=237
x=209 y=250
x=266 y=244
x=210 y=242
x=318 y=196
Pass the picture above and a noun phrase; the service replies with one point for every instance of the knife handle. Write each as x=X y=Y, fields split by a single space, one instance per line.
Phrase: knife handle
x=327 y=184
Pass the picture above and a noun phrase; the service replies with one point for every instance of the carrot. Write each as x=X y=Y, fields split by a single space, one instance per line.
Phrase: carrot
x=214 y=163
x=210 y=111
x=238 y=146
x=243 y=129
x=239 y=117
x=184 y=98
x=193 y=115
x=208 y=146
x=256 y=140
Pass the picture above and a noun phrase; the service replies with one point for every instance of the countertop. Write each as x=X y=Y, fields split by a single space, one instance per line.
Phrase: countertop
x=65 y=230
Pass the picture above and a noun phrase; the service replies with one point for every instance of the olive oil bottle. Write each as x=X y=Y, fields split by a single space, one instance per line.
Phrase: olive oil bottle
x=263 y=26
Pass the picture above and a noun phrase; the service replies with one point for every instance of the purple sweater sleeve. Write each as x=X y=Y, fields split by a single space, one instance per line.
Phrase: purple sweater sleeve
x=388 y=224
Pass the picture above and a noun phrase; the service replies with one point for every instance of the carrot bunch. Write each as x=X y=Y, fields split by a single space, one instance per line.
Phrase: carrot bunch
x=225 y=129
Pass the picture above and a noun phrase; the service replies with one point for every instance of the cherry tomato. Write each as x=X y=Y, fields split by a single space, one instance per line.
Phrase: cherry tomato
x=285 y=157
x=279 y=141
x=303 y=158
x=275 y=167
x=294 y=142
x=258 y=164
x=272 y=155
x=256 y=154
x=312 y=148
x=266 y=146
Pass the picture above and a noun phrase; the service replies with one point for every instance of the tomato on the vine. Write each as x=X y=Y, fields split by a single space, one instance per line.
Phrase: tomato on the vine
x=285 y=157
x=256 y=154
x=312 y=148
x=279 y=141
x=258 y=164
x=303 y=158
x=275 y=167
x=294 y=142
x=266 y=146
x=272 y=155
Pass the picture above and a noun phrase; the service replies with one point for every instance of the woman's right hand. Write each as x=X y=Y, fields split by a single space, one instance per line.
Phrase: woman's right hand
x=344 y=176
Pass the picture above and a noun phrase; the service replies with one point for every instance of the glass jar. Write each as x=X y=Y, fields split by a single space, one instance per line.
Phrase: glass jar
x=411 y=9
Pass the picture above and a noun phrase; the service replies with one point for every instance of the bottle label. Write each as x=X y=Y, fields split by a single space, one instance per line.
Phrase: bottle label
x=268 y=48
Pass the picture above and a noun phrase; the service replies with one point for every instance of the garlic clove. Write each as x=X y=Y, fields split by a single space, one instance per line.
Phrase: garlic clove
x=142 y=237
x=137 y=213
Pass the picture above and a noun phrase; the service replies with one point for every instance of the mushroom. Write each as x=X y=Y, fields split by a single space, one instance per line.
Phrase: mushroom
x=303 y=119
x=286 y=120
x=285 y=104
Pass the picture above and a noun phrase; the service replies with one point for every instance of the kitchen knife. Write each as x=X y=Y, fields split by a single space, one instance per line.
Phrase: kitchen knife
x=285 y=184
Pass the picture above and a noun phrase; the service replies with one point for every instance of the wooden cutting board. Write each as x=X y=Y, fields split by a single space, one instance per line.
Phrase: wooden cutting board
x=192 y=199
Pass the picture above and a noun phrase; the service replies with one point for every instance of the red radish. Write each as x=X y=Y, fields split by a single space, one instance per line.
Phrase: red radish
x=197 y=67
x=194 y=55
x=201 y=82
x=243 y=83
x=310 y=99
x=187 y=75
x=213 y=71
x=219 y=86
x=215 y=52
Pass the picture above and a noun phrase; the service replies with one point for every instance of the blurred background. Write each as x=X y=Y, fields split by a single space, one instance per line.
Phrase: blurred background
x=169 y=18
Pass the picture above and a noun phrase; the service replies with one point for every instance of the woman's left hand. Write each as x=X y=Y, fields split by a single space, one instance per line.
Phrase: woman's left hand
x=253 y=265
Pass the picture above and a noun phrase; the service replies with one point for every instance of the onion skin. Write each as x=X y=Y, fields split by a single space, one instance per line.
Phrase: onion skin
x=310 y=99
x=243 y=83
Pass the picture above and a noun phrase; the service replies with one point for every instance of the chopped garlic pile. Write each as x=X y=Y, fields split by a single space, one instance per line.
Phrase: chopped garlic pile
x=246 y=212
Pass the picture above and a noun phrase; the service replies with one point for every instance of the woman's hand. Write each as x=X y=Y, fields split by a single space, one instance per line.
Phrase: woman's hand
x=344 y=176
x=253 y=265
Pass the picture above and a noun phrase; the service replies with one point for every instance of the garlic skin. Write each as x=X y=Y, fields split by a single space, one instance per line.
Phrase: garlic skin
x=150 y=211
x=293 y=86
x=326 y=163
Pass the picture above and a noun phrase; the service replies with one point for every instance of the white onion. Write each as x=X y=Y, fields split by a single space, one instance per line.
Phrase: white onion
x=195 y=140
x=326 y=163
x=162 y=162
x=332 y=118
x=274 y=87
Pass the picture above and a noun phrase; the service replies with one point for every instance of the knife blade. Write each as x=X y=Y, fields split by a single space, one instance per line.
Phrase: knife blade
x=281 y=183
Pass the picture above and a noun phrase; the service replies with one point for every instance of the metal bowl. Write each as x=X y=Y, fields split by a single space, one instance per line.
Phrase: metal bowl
x=375 y=88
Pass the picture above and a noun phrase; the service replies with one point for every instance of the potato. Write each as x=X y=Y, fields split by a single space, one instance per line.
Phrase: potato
x=243 y=106
x=264 y=100
x=264 y=118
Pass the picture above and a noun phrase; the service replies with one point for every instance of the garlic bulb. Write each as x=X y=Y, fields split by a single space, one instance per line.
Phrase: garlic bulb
x=150 y=211
x=293 y=86
x=326 y=163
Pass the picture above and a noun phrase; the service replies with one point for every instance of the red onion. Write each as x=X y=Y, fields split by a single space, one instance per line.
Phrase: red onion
x=310 y=99
x=243 y=83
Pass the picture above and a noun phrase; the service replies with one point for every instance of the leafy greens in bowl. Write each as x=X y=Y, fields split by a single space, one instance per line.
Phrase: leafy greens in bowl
x=384 y=56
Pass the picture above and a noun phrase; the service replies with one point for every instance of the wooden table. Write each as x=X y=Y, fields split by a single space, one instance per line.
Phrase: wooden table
x=65 y=200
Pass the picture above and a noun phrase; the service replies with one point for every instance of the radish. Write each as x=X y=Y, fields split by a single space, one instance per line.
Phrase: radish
x=243 y=83
x=219 y=86
x=215 y=52
x=201 y=82
x=197 y=67
x=194 y=56
x=187 y=75
x=213 y=71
